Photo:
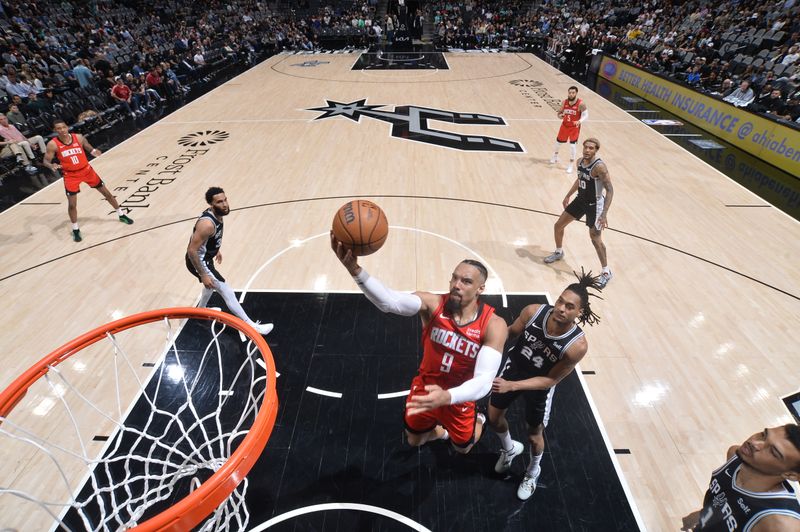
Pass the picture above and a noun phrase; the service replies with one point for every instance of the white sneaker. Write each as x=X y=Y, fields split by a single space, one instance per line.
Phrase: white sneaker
x=528 y=485
x=263 y=328
x=604 y=278
x=31 y=169
x=554 y=256
x=554 y=159
x=570 y=169
x=504 y=461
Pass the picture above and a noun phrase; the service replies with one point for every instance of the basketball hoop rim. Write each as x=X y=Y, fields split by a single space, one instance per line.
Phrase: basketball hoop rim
x=196 y=506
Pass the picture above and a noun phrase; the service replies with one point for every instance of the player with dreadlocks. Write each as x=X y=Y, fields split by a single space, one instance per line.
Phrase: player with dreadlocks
x=550 y=345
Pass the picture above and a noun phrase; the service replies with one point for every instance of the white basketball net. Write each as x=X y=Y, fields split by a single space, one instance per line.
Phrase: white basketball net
x=193 y=410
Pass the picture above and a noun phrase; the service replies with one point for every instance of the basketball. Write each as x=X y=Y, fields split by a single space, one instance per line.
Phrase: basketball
x=361 y=226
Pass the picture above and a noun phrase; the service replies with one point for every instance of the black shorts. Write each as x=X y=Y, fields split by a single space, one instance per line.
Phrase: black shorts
x=537 y=402
x=209 y=264
x=580 y=208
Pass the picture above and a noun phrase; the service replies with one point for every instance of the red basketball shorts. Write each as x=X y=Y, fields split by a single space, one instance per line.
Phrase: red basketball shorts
x=568 y=133
x=459 y=420
x=73 y=180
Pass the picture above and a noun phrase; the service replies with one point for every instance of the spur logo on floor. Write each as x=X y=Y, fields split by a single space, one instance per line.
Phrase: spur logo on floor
x=203 y=138
x=410 y=122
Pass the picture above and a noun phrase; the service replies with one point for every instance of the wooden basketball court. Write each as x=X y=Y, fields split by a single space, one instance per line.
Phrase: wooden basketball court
x=698 y=338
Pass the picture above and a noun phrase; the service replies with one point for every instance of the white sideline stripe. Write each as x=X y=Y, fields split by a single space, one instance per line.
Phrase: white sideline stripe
x=323 y=392
x=341 y=506
x=413 y=229
x=611 y=454
x=682 y=134
x=393 y=394
x=641 y=111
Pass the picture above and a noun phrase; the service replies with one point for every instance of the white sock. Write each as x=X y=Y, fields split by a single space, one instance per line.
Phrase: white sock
x=559 y=250
x=535 y=459
x=445 y=436
x=606 y=269
x=75 y=226
x=233 y=304
x=573 y=149
x=119 y=211
x=555 y=153
x=505 y=440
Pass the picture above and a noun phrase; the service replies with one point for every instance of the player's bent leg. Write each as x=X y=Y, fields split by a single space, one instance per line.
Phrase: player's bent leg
x=597 y=240
x=558 y=235
x=236 y=308
x=72 y=208
x=509 y=449
x=419 y=439
x=497 y=419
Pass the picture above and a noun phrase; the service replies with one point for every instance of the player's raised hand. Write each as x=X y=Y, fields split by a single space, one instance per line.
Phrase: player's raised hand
x=435 y=398
x=345 y=256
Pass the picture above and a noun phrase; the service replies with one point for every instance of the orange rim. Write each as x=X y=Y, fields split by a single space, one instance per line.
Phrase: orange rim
x=196 y=506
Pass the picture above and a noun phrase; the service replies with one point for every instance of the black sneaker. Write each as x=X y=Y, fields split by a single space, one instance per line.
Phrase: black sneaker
x=124 y=219
x=76 y=235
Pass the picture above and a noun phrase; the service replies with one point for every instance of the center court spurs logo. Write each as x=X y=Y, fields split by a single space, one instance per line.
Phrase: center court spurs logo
x=411 y=123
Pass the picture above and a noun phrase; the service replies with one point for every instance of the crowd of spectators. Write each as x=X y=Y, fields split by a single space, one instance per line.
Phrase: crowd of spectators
x=745 y=51
x=97 y=63
x=82 y=61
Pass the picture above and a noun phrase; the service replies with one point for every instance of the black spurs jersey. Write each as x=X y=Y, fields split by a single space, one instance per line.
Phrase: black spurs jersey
x=210 y=248
x=728 y=507
x=590 y=189
x=536 y=352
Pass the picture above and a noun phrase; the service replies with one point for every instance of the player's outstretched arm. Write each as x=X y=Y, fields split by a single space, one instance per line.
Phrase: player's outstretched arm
x=386 y=299
x=563 y=368
x=487 y=363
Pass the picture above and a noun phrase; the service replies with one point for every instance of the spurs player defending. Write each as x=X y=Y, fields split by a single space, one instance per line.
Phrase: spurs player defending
x=71 y=150
x=573 y=113
x=550 y=344
x=595 y=193
x=204 y=250
x=462 y=343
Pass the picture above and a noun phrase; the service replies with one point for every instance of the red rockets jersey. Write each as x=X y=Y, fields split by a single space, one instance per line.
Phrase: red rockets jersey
x=71 y=156
x=572 y=113
x=449 y=349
